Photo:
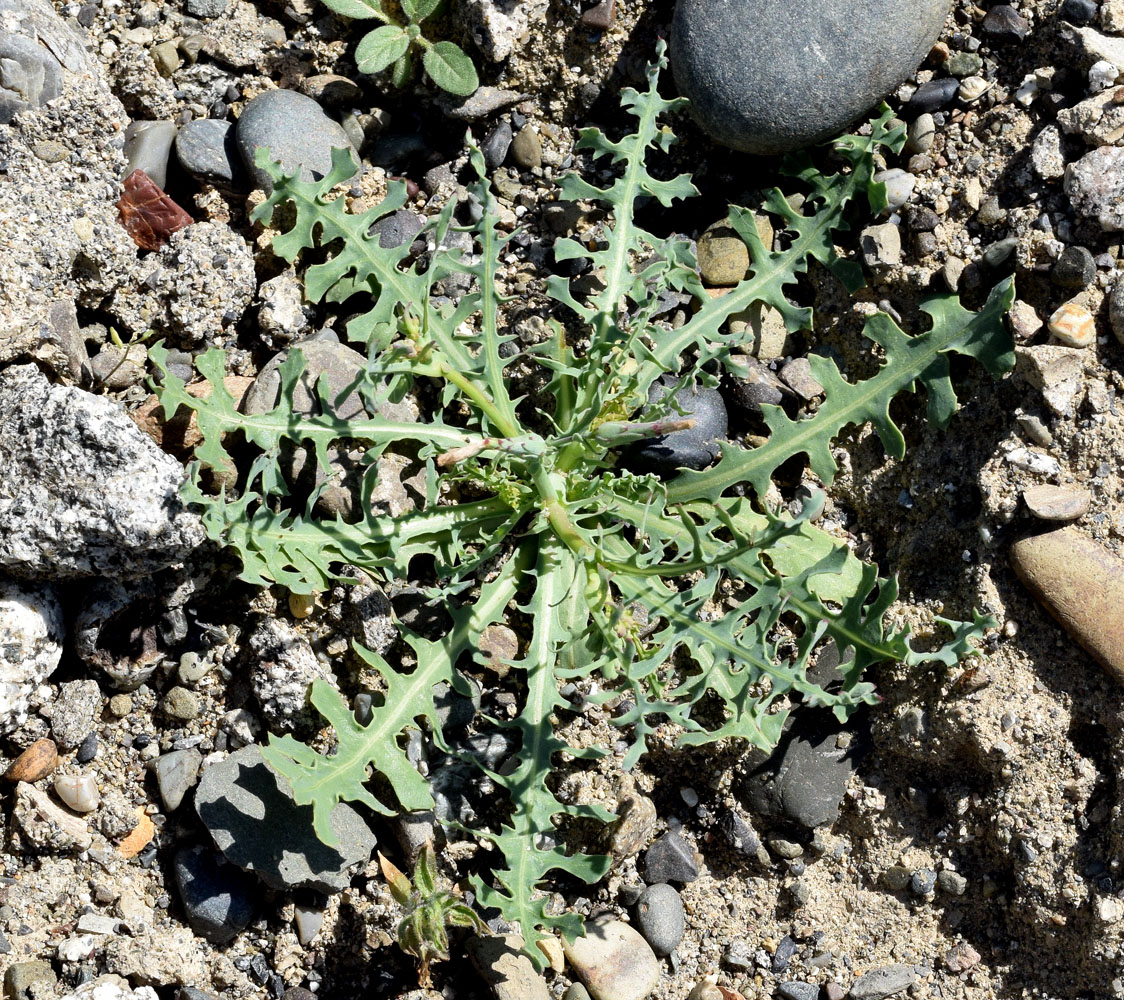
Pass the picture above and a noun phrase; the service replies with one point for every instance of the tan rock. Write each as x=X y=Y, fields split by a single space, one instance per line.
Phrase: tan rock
x=636 y=819
x=1057 y=503
x=506 y=969
x=1073 y=325
x=1059 y=372
x=1023 y=320
x=498 y=645
x=723 y=256
x=181 y=433
x=47 y=827
x=613 y=961
x=1081 y=583
x=36 y=762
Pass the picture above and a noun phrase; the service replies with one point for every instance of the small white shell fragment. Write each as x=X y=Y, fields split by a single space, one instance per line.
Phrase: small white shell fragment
x=78 y=791
x=972 y=88
x=1028 y=91
x=1036 y=462
x=1102 y=75
x=1072 y=325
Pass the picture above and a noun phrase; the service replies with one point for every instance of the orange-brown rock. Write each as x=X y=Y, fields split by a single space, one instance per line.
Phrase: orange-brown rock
x=1081 y=583
x=36 y=762
x=180 y=434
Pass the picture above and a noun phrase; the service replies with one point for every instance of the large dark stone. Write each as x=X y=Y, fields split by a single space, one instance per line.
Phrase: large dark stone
x=803 y=780
x=693 y=448
x=217 y=897
x=768 y=76
x=254 y=821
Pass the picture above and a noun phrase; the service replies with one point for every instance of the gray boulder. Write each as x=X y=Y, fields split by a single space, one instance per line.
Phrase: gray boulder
x=768 y=76
x=63 y=243
x=37 y=50
x=295 y=130
x=83 y=491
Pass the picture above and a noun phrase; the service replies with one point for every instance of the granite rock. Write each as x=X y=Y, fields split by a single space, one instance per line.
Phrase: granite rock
x=195 y=286
x=83 y=491
x=32 y=626
x=1095 y=187
x=768 y=76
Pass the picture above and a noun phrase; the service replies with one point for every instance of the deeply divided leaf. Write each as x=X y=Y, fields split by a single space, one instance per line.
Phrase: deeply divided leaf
x=618 y=583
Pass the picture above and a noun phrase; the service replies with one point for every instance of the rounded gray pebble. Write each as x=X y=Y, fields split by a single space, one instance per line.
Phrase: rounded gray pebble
x=295 y=130
x=660 y=918
x=176 y=772
x=768 y=76
x=205 y=148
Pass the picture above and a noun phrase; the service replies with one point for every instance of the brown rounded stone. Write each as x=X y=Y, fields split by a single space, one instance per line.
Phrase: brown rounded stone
x=36 y=762
x=1081 y=583
x=1056 y=503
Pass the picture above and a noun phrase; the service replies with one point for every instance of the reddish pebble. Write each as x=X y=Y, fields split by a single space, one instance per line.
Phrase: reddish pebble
x=600 y=17
x=148 y=214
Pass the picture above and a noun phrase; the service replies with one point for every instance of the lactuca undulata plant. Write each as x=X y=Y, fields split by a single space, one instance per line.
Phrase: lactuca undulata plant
x=619 y=578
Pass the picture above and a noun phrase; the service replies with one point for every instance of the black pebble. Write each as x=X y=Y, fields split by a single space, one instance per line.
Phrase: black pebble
x=670 y=859
x=1005 y=24
x=87 y=749
x=932 y=96
x=693 y=448
x=1077 y=11
x=1075 y=268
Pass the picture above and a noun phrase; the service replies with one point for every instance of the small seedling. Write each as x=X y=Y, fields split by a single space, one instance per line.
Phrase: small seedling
x=430 y=911
x=394 y=44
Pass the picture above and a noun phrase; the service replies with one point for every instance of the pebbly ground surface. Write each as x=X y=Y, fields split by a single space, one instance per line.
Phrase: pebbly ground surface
x=964 y=836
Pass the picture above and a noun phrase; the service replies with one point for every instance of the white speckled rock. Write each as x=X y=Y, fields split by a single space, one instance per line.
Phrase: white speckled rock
x=767 y=76
x=111 y=988
x=83 y=490
x=32 y=628
x=613 y=961
x=196 y=286
x=46 y=827
x=284 y=667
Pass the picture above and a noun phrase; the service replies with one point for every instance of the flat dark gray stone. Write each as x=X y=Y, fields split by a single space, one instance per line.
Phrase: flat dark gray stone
x=769 y=76
x=217 y=898
x=254 y=821
x=803 y=780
